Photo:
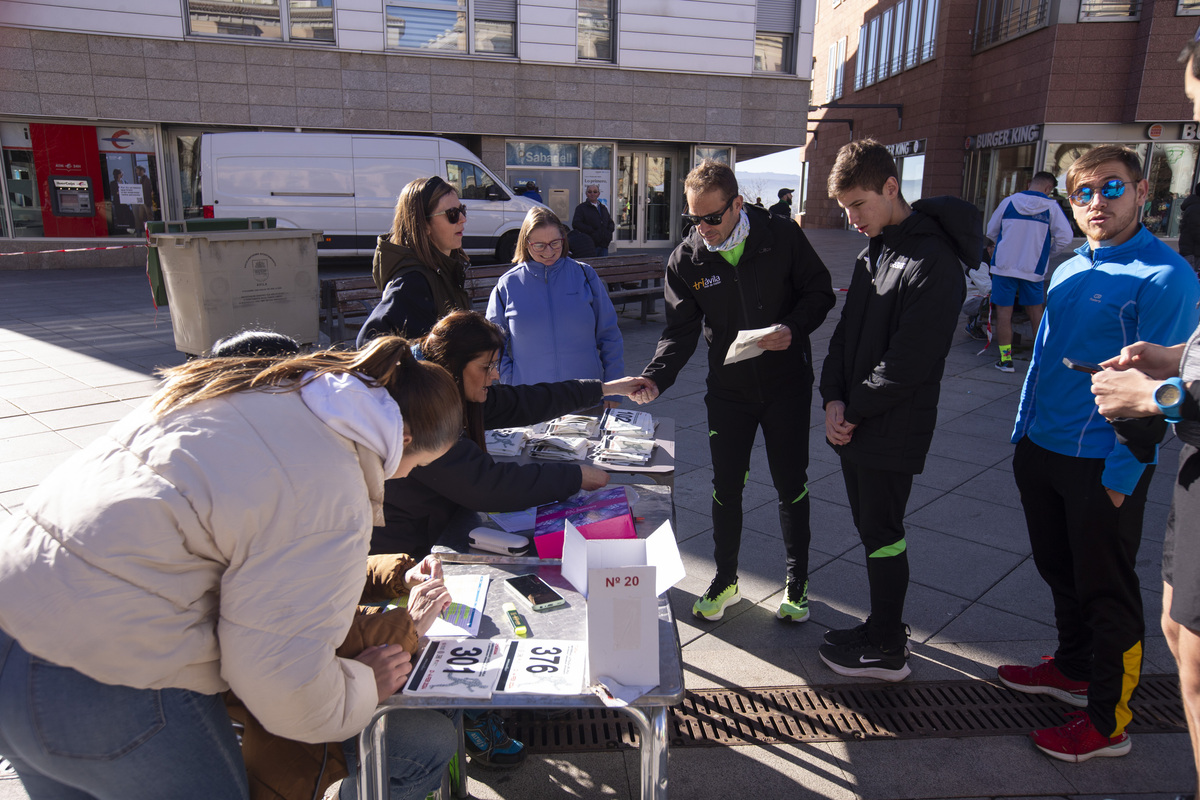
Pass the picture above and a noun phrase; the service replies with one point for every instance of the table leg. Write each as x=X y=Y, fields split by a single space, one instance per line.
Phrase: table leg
x=652 y=728
x=372 y=759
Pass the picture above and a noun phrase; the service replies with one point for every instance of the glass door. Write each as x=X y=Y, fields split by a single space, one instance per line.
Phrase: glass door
x=645 y=198
x=182 y=173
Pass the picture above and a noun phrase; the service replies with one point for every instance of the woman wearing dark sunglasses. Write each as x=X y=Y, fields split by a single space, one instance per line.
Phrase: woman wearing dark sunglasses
x=556 y=312
x=419 y=264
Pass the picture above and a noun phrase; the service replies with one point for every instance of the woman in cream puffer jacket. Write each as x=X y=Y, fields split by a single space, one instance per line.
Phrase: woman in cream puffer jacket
x=215 y=539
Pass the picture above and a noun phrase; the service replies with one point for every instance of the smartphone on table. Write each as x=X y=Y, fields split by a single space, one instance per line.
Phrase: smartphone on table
x=534 y=592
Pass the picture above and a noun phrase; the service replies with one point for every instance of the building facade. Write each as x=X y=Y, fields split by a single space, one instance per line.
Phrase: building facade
x=974 y=96
x=102 y=105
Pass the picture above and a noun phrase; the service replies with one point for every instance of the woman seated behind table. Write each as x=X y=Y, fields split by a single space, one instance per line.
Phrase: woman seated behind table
x=417 y=508
x=214 y=539
x=556 y=312
x=419 y=265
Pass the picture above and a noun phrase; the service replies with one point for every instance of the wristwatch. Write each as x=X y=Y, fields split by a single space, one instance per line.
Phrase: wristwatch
x=1169 y=396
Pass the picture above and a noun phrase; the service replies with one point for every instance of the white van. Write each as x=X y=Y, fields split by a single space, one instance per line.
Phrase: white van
x=347 y=184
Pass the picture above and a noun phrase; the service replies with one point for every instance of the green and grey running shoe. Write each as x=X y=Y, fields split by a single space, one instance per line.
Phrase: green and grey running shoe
x=721 y=593
x=794 y=606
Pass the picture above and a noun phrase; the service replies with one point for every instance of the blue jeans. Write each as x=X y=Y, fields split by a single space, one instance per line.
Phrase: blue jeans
x=72 y=738
x=420 y=743
x=601 y=251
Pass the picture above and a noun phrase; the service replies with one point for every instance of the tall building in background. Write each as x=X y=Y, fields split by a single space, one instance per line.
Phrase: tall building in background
x=974 y=96
x=102 y=105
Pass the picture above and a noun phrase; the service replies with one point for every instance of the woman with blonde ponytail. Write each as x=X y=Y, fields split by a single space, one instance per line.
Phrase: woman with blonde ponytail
x=214 y=539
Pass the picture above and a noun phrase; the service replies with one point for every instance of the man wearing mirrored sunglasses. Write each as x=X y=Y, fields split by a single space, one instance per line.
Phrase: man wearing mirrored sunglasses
x=741 y=269
x=1082 y=491
x=1148 y=381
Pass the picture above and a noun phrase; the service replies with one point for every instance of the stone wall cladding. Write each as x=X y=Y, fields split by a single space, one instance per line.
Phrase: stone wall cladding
x=205 y=82
x=108 y=79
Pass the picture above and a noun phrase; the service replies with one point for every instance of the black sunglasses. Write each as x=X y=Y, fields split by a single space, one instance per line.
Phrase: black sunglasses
x=1109 y=190
x=710 y=219
x=452 y=214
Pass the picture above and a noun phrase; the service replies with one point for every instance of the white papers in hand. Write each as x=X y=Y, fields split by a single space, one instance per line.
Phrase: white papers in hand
x=746 y=344
x=462 y=617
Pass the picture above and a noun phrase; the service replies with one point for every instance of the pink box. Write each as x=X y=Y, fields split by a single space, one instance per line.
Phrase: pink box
x=603 y=514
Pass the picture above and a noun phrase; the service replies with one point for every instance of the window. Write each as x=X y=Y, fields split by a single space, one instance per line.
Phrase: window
x=484 y=27
x=898 y=37
x=1001 y=20
x=885 y=41
x=913 y=48
x=837 y=64
x=860 y=61
x=471 y=182
x=1109 y=10
x=594 y=24
x=912 y=173
x=872 y=43
x=774 y=41
x=929 y=40
x=280 y=20
x=1187 y=7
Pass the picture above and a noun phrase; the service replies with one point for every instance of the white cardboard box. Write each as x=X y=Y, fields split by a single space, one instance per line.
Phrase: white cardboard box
x=622 y=580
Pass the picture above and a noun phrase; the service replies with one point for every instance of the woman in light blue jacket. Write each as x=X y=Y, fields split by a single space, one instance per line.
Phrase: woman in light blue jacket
x=556 y=312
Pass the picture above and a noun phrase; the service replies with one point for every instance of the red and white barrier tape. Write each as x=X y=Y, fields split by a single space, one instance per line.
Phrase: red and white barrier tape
x=73 y=250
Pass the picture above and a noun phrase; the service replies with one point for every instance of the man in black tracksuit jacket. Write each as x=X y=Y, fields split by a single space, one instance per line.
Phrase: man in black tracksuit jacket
x=742 y=269
x=882 y=377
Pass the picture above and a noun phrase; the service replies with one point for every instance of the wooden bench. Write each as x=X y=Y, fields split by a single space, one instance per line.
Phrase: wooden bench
x=637 y=276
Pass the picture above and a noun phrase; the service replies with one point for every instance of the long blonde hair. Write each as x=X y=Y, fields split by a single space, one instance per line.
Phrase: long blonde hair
x=538 y=217
x=410 y=224
x=426 y=393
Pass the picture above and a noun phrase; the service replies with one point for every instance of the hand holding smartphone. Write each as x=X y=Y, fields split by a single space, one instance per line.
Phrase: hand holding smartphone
x=1082 y=366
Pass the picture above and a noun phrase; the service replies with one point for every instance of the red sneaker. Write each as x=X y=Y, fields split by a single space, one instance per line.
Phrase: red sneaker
x=1079 y=740
x=1045 y=678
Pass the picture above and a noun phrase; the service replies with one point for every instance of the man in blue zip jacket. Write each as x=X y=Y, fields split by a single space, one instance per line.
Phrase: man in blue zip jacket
x=742 y=269
x=1083 y=492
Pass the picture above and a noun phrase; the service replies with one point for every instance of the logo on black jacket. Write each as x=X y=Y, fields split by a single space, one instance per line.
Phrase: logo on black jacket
x=707 y=283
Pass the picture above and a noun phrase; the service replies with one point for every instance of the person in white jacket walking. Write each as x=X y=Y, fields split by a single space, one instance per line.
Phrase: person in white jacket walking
x=1027 y=227
x=214 y=539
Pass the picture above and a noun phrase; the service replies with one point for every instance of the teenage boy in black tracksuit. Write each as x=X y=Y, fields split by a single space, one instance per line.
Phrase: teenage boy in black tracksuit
x=882 y=377
x=742 y=269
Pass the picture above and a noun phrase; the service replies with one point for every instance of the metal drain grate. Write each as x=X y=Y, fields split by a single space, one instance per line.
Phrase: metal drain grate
x=790 y=714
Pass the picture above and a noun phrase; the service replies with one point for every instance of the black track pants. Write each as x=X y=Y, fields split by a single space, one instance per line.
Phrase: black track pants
x=878 y=499
x=731 y=429
x=1086 y=549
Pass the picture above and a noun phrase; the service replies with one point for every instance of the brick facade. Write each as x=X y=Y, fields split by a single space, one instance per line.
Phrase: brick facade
x=1107 y=73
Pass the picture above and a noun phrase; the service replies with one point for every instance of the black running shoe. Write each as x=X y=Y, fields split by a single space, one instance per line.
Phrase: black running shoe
x=845 y=636
x=865 y=660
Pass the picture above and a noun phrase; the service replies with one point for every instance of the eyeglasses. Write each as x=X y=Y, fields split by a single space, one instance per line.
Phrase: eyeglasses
x=1110 y=190
x=452 y=214
x=492 y=366
x=541 y=247
x=710 y=219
